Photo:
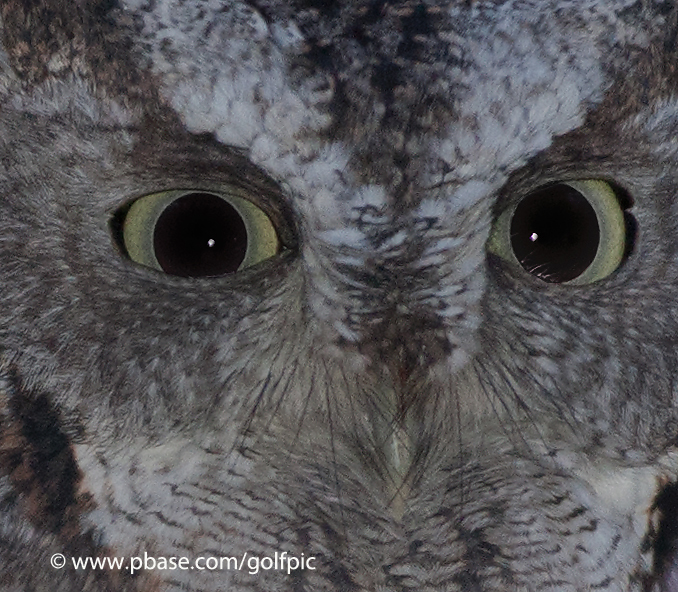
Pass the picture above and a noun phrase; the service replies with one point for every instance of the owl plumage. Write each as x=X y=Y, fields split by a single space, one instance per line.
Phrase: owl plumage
x=381 y=364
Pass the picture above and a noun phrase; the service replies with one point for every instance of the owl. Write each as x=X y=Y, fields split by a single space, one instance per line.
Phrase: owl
x=322 y=296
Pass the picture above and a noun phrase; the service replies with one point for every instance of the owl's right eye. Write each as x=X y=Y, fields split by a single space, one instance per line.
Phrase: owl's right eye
x=195 y=233
x=574 y=232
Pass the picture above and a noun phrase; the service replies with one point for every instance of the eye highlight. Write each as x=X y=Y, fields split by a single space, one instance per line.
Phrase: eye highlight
x=571 y=232
x=194 y=233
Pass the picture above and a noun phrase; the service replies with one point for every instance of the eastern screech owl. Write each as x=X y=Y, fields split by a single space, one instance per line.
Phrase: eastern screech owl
x=388 y=285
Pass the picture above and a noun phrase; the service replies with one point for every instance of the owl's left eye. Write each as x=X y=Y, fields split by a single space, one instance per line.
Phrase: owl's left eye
x=195 y=233
x=573 y=232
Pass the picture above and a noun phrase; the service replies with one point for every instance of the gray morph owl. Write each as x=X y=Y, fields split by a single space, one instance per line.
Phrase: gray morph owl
x=391 y=286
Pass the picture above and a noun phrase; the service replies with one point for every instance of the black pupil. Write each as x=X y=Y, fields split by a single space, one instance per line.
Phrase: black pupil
x=555 y=233
x=200 y=234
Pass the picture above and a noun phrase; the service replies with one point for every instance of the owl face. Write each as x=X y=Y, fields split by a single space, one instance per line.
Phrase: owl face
x=338 y=296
